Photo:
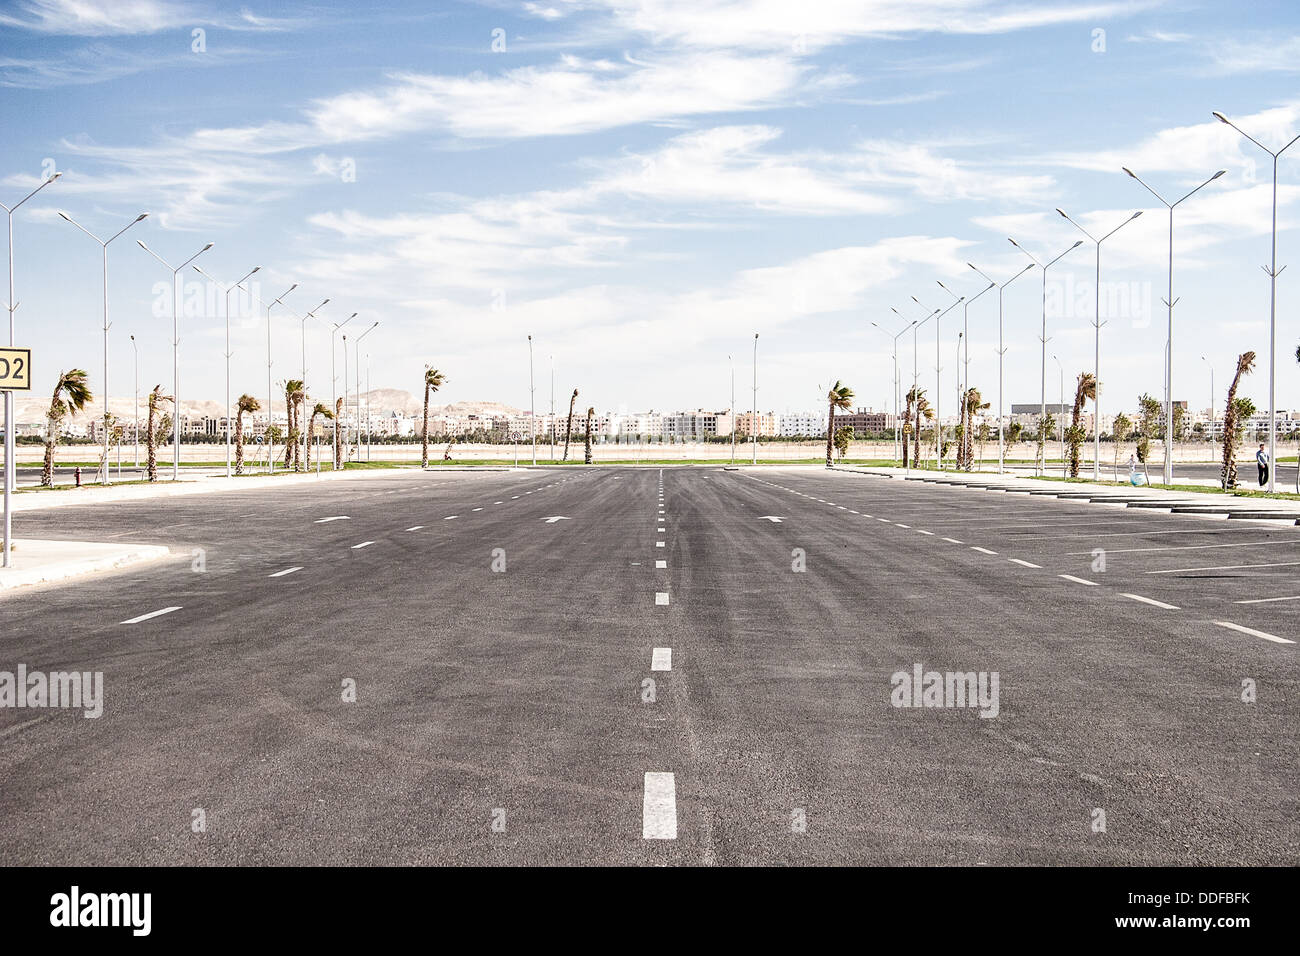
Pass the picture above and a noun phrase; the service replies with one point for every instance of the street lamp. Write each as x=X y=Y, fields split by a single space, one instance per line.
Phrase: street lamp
x=303 y=319
x=1097 y=323
x=753 y=417
x=11 y=472
x=896 y=382
x=356 y=354
x=1041 y=467
x=938 y=385
x=103 y=244
x=227 y=290
x=176 y=353
x=135 y=348
x=965 y=333
x=1211 y=368
x=1273 y=272
x=1169 y=339
x=1001 y=352
x=1060 y=419
x=333 y=377
x=532 y=392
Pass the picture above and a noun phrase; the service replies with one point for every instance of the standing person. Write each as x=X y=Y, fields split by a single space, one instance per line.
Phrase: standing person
x=1261 y=459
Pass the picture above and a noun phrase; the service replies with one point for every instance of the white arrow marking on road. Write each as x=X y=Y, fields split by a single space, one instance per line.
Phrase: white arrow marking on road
x=335 y=518
x=145 y=617
x=772 y=518
x=554 y=518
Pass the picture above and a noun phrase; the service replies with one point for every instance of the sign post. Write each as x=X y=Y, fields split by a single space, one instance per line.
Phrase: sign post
x=15 y=376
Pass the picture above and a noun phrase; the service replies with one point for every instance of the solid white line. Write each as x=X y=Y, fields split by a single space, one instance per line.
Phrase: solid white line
x=280 y=574
x=661 y=659
x=982 y=550
x=363 y=544
x=1268 y=600
x=145 y=617
x=953 y=541
x=919 y=531
x=1226 y=567
x=1254 y=633
x=1152 y=601
x=659 y=807
x=661 y=564
x=416 y=528
x=661 y=597
x=1185 y=547
x=1024 y=564
x=1071 y=577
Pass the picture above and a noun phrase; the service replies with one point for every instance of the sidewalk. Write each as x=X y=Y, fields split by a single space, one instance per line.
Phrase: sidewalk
x=1177 y=502
x=39 y=562
x=197 y=485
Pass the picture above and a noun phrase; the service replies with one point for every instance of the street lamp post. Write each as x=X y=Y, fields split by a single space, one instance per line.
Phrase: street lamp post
x=135 y=349
x=1097 y=323
x=1170 y=301
x=1001 y=352
x=356 y=354
x=176 y=353
x=1041 y=465
x=532 y=403
x=103 y=245
x=897 y=383
x=1060 y=416
x=753 y=415
x=11 y=472
x=334 y=379
x=1273 y=272
x=227 y=290
x=732 y=363
x=965 y=335
x=1211 y=368
x=938 y=384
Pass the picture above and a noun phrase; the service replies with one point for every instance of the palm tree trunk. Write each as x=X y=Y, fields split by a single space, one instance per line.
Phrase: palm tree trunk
x=151 y=446
x=830 y=435
x=47 y=469
x=568 y=428
x=424 y=432
x=338 y=446
x=590 y=414
x=239 y=442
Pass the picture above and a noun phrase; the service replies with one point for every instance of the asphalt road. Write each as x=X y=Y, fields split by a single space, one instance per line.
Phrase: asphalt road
x=518 y=697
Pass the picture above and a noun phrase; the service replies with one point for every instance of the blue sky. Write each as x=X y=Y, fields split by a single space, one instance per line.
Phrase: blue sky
x=643 y=184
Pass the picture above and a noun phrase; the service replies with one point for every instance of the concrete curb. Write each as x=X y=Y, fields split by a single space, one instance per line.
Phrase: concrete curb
x=13 y=578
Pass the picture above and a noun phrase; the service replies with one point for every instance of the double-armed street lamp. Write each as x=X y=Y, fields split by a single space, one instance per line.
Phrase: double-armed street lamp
x=1001 y=352
x=895 y=338
x=227 y=289
x=103 y=245
x=176 y=352
x=1170 y=301
x=1097 y=323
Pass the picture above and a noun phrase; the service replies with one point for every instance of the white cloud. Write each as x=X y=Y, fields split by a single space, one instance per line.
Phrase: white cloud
x=89 y=18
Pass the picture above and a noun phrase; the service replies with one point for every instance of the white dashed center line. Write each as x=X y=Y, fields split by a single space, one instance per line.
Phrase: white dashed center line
x=661 y=564
x=1152 y=601
x=1071 y=577
x=145 y=617
x=1253 y=633
x=661 y=597
x=1268 y=600
x=363 y=544
x=659 y=807
x=280 y=574
x=953 y=541
x=416 y=528
x=919 y=531
x=661 y=659
x=659 y=544
x=982 y=550
x=1024 y=564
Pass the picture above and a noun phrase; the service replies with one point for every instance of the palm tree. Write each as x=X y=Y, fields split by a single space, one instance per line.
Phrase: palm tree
x=568 y=429
x=1085 y=389
x=292 y=388
x=299 y=406
x=246 y=405
x=156 y=400
x=591 y=413
x=972 y=403
x=923 y=410
x=320 y=409
x=840 y=396
x=338 y=437
x=433 y=380
x=1232 y=419
x=907 y=421
x=71 y=393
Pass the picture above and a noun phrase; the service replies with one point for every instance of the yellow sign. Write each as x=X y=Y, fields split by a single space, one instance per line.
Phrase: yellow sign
x=15 y=369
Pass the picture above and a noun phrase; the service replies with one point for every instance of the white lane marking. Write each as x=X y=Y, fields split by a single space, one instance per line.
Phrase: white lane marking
x=280 y=574
x=659 y=544
x=982 y=550
x=1186 y=547
x=661 y=530
x=772 y=518
x=1152 y=601
x=851 y=511
x=497 y=502
x=901 y=525
x=363 y=544
x=1268 y=600
x=885 y=520
x=953 y=541
x=865 y=515
x=661 y=564
x=554 y=518
x=661 y=597
x=335 y=518
x=449 y=517
x=513 y=497
x=416 y=528
x=1226 y=567
x=919 y=531
x=1071 y=577
x=1254 y=633
x=659 y=807
x=842 y=508
x=661 y=659
x=145 y=617
x=1024 y=564
x=478 y=509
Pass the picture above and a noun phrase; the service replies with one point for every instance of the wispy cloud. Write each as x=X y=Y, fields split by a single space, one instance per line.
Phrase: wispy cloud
x=88 y=18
